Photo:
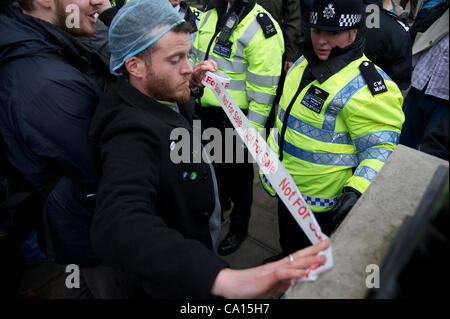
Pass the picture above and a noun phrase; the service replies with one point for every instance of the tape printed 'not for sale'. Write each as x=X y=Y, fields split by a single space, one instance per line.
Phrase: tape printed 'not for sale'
x=274 y=171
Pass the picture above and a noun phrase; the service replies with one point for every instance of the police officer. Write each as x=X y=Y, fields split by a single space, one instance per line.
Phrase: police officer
x=247 y=45
x=339 y=119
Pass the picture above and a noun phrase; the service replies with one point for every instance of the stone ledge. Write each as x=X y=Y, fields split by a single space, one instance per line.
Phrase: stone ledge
x=367 y=233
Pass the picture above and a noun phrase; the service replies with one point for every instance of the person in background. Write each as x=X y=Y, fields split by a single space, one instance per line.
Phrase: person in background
x=288 y=15
x=47 y=98
x=389 y=44
x=427 y=101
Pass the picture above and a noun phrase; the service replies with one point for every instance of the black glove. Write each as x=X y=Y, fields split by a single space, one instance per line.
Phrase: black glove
x=343 y=205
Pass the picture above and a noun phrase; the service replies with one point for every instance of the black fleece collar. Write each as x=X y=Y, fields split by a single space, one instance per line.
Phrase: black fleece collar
x=339 y=58
x=133 y=97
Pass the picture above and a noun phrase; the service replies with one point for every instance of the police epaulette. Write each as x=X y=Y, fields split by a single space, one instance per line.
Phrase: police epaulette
x=373 y=79
x=266 y=24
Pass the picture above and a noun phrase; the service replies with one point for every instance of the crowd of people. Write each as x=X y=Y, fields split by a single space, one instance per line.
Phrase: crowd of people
x=90 y=91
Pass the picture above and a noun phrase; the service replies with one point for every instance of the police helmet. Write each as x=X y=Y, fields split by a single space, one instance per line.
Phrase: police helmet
x=336 y=15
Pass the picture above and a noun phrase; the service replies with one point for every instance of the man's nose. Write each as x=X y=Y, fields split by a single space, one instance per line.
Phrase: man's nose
x=322 y=39
x=186 y=67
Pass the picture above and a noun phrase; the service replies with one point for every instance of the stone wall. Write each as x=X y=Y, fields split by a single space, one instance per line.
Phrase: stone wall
x=367 y=233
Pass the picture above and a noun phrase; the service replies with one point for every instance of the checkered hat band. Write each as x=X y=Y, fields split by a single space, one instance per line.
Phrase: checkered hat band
x=313 y=17
x=349 y=20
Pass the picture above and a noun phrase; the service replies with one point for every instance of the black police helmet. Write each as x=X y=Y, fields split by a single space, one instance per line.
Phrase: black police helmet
x=336 y=15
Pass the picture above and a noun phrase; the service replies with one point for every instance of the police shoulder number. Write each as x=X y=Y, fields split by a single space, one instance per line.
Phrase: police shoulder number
x=374 y=80
x=266 y=24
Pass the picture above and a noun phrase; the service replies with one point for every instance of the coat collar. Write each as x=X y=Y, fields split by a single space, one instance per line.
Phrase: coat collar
x=133 y=97
x=339 y=58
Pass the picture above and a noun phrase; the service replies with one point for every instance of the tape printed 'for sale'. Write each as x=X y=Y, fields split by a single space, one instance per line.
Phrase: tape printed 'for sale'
x=274 y=171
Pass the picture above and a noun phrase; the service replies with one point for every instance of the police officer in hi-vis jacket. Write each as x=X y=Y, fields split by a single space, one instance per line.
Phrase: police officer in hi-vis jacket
x=339 y=120
x=247 y=44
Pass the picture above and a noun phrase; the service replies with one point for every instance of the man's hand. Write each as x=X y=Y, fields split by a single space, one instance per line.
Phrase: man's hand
x=200 y=70
x=270 y=279
x=287 y=65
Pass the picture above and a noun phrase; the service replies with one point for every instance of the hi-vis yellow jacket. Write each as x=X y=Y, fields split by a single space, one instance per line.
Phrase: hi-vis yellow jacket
x=254 y=65
x=346 y=144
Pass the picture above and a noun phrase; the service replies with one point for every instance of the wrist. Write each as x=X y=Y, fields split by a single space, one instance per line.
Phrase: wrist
x=220 y=286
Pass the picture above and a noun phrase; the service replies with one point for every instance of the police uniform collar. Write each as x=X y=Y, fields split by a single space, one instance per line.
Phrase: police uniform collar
x=339 y=58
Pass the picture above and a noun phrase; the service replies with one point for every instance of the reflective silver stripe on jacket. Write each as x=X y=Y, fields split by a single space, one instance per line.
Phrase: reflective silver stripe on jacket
x=313 y=132
x=366 y=172
x=262 y=79
x=342 y=97
x=260 y=97
x=331 y=159
x=257 y=118
x=377 y=138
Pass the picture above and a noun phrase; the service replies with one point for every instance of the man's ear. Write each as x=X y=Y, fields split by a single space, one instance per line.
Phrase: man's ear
x=135 y=67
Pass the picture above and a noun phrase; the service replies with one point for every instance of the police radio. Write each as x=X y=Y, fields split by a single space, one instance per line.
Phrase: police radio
x=223 y=47
x=228 y=28
x=231 y=23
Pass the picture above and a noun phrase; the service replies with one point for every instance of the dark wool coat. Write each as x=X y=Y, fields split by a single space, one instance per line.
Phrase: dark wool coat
x=151 y=218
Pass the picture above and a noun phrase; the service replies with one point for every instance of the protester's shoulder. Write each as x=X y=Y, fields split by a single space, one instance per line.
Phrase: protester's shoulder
x=394 y=23
x=113 y=113
x=53 y=85
x=47 y=68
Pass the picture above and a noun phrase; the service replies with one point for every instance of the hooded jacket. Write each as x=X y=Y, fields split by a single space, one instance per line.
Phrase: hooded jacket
x=47 y=100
